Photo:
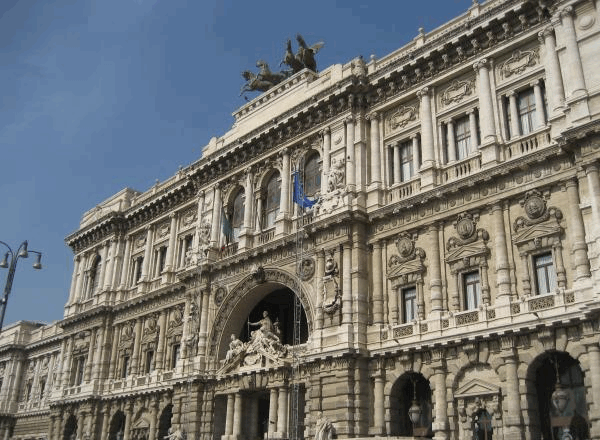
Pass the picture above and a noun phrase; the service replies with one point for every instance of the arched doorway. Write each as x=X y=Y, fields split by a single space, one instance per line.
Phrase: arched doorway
x=554 y=371
x=70 y=428
x=410 y=388
x=164 y=421
x=117 y=426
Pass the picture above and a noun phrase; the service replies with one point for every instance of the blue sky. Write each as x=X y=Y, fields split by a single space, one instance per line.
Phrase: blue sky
x=99 y=95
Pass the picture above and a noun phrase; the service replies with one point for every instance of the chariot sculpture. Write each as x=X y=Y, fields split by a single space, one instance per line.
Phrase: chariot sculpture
x=265 y=79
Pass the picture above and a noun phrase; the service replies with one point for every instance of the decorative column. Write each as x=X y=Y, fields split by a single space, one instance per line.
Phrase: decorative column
x=126 y=262
x=136 y=346
x=451 y=141
x=113 y=353
x=97 y=365
x=128 y=417
x=284 y=210
x=237 y=415
x=350 y=155
x=540 y=120
x=216 y=217
x=593 y=181
x=440 y=423
x=87 y=373
x=554 y=83
x=78 y=295
x=162 y=331
x=397 y=169
x=416 y=152
x=153 y=418
x=378 y=271
x=576 y=81
x=435 y=283
x=259 y=197
x=501 y=254
x=103 y=267
x=249 y=204
x=203 y=335
x=326 y=133
x=147 y=254
x=486 y=103
x=320 y=271
x=108 y=276
x=105 y=420
x=170 y=258
x=594 y=363
x=229 y=415
x=426 y=128
x=515 y=128
x=273 y=398
x=282 y=413
x=512 y=417
x=379 y=410
x=473 y=130
x=66 y=366
x=375 y=156
x=74 y=278
x=347 y=283
x=80 y=423
x=186 y=326
x=575 y=223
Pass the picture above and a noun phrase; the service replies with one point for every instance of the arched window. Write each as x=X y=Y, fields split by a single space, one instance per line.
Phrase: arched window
x=272 y=199
x=312 y=175
x=95 y=276
x=237 y=215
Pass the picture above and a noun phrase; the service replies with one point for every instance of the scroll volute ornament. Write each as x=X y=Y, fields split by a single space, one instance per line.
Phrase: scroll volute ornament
x=535 y=207
x=466 y=228
x=405 y=243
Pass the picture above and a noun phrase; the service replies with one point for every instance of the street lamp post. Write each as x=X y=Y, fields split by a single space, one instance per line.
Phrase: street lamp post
x=21 y=252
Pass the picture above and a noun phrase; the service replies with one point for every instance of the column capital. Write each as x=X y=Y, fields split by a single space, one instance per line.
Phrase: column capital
x=350 y=119
x=566 y=12
x=424 y=92
x=173 y=215
x=548 y=31
x=325 y=131
x=373 y=117
x=199 y=193
x=481 y=64
x=471 y=111
x=284 y=152
x=536 y=82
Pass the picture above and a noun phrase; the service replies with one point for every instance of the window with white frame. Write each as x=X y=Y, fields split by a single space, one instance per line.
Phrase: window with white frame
x=527 y=111
x=409 y=304
x=312 y=175
x=237 y=215
x=272 y=200
x=406 y=161
x=149 y=361
x=472 y=289
x=462 y=136
x=545 y=274
x=160 y=260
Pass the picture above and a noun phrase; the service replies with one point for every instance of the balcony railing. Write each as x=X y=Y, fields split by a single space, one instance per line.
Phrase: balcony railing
x=266 y=236
x=527 y=144
x=228 y=251
x=404 y=190
x=460 y=169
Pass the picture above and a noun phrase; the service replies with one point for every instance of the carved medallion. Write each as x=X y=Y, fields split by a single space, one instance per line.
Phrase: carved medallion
x=219 y=295
x=405 y=246
x=465 y=226
x=188 y=217
x=519 y=62
x=457 y=91
x=163 y=230
x=534 y=205
x=140 y=241
x=306 y=269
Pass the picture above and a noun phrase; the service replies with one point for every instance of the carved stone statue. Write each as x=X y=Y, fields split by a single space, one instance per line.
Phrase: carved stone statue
x=324 y=428
x=176 y=434
x=267 y=337
x=235 y=347
x=335 y=180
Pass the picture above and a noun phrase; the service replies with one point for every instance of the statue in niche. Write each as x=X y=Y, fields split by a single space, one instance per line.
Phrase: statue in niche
x=324 y=428
x=335 y=180
x=204 y=234
x=336 y=189
x=235 y=347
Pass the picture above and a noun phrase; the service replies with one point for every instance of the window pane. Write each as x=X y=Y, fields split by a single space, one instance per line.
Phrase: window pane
x=410 y=303
x=526 y=104
x=406 y=161
x=463 y=137
x=237 y=218
x=273 y=194
x=472 y=288
x=545 y=274
x=312 y=176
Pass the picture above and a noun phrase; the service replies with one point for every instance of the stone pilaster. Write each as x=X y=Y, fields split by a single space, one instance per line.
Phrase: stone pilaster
x=501 y=255
x=170 y=258
x=378 y=271
x=126 y=262
x=375 y=152
x=577 y=232
x=347 y=284
x=136 y=346
x=326 y=133
x=440 y=422
x=435 y=283
x=554 y=83
x=350 y=155
x=74 y=277
x=147 y=255
x=512 y=417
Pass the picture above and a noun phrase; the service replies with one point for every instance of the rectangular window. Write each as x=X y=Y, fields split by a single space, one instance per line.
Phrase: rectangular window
x=545 y=275
x=174 y=355
x=409 y=304
x=162 y=258
x=139 y=262
x=79 y=370
x=149 y=361
x=462 y=135
x=185 y=245
x=472 y=290
x=28 y=389
x=125 y=367
x=406 y=161
x=42 y=386
x=526 y=106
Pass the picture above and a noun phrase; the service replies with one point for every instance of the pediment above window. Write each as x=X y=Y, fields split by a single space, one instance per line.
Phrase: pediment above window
x=476 y=388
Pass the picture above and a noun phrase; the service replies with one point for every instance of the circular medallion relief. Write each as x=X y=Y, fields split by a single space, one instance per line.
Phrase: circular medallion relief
x=465 y=228
x=534 y=207
x=306 y=269
x=405 y=246
x=219 y=295
x=586 y=21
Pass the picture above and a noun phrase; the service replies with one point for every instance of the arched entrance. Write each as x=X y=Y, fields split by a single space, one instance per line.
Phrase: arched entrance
x=164 y=421
x=117 y=426
x=70 y=428
x=555 y=413
x=408 y=389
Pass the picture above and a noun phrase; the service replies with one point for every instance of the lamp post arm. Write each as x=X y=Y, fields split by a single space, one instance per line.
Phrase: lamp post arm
x=7 y=287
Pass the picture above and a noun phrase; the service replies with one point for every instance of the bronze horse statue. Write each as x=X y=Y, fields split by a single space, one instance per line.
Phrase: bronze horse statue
x=305 y=57
x=263 y=81
x=290 y=60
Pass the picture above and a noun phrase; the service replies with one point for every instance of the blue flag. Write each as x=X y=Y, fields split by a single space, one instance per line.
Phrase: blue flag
x=299 y=196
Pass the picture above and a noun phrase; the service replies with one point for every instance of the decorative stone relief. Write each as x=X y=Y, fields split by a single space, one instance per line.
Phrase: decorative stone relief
x=151 y=329
x=332 y=297
x=175 y=326
x=457 y=92
x=535 y=207
x=334 y=196
x=306 y=269
x=140 y=241
x=220 y=293
x=163 y=230
x=188 y=217
x=127 y=336
x=519 y=62
x=402 y=116
x=81 y=342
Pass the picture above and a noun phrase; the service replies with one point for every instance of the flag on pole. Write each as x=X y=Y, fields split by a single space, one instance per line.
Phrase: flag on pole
x=299 y=196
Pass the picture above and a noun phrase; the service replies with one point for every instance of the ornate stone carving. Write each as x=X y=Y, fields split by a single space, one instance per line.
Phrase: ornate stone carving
x=457 y=91
x=402 y=116
x=519 y=62
x=163 y=230
x=127 y=336
x=220 y=293
x=331 y=286
x=140 y=241
x=405 y=243
x=188 y=217
x=306 y=269
x=336 y=189
x=466 y=227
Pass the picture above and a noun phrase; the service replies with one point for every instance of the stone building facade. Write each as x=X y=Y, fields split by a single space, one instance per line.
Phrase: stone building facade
x=444 y=285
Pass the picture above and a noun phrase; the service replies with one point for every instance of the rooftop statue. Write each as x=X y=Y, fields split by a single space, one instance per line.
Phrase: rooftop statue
x=265 y=79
